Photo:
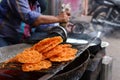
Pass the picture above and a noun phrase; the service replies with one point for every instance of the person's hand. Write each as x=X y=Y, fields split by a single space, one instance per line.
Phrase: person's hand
x=66 y=8
x=63 y=17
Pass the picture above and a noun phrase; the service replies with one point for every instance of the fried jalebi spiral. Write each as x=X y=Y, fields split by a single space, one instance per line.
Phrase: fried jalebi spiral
x=65 y=45
x=45 y=64
x=42 y=54
x=62 y=48
x=55 y=51
x=62 y=59
x=15 y=59
x=66 y=54
x=47 y=44
x=29 y=56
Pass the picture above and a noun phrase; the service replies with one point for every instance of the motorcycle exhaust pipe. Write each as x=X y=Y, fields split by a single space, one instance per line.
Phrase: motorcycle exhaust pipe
x=100 y=21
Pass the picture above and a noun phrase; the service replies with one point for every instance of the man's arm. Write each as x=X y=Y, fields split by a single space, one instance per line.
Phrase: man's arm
x=22 y=8
x=46 y=19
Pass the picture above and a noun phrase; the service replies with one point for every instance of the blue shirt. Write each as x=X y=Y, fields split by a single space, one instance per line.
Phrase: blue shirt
x=12 y=15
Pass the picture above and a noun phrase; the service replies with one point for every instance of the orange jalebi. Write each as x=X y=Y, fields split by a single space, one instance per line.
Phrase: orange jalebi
x=47 y=44
x=66 y=54
x=45 y=64
x=42 y=54
x=29 y=56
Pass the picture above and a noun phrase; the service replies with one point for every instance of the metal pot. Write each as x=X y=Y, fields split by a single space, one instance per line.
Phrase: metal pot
x=58 y=30
x=54 y=31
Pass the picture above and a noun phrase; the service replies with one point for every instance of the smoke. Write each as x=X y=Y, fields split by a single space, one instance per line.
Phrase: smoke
x=106 y=30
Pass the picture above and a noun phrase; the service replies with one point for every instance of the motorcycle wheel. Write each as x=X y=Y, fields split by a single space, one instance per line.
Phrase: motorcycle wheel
x=99 y=14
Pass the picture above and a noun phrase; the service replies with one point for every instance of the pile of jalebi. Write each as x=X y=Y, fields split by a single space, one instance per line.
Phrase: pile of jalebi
x=42 y=54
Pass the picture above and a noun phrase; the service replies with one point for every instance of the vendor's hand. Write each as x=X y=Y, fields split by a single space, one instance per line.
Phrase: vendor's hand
x=68 y=12
x=63 y=17
x=66 y=8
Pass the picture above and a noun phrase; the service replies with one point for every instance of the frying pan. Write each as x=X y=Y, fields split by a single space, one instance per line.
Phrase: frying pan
x=14 y=71
x=75 y=70
x=12 y=50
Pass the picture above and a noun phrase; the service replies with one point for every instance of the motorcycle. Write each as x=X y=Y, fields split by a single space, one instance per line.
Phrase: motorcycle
x=107 y=15
x=93 y=5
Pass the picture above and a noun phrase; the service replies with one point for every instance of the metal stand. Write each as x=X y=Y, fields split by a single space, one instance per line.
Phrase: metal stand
x=106 y=73
x=96 y=69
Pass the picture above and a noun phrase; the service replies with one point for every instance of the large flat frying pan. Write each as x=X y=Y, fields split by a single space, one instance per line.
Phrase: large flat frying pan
x=13 y=70
x=10 y=51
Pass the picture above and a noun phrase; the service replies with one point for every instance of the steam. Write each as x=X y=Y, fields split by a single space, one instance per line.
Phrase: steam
x=93 y=29
x=106 y=30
